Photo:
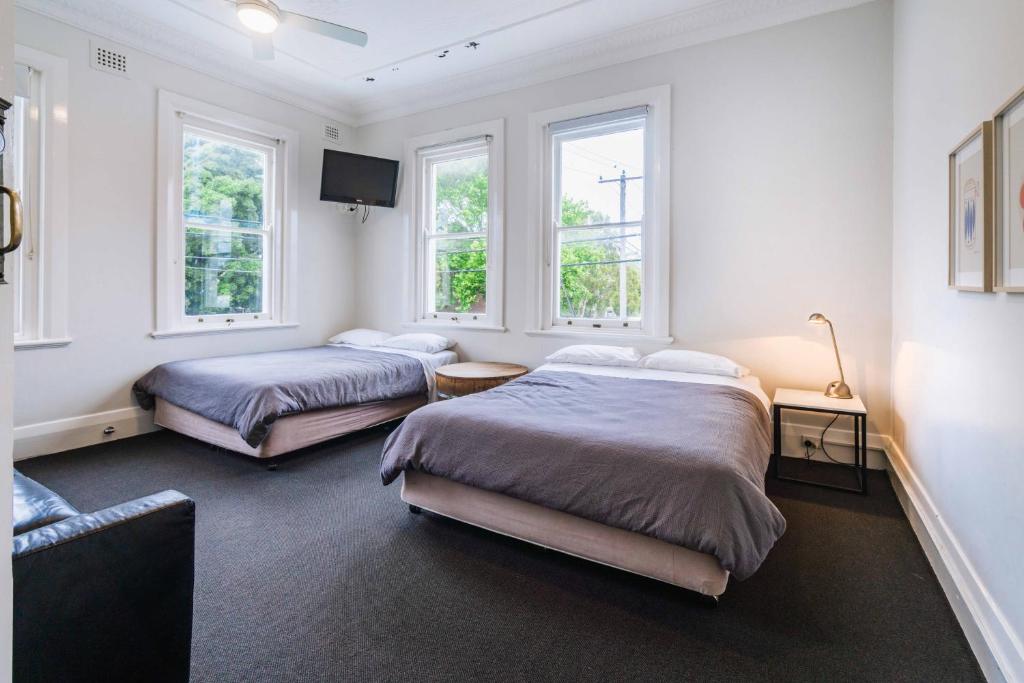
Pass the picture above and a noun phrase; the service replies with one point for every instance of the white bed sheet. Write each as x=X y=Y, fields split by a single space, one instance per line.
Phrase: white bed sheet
x=430 y=361
x=748 y=383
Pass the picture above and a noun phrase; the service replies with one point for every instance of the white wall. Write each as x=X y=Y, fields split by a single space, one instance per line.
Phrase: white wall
x=958 y=367
x=781 y=205
x=112 y=130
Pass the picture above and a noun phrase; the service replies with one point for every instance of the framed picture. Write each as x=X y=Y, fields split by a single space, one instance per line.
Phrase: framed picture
x=970 y=212
x=1008 y=126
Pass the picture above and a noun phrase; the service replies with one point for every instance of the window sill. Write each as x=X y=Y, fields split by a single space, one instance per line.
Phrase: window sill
x=45 y=343
x=442 y=325
x=220 y=329
x=607 y=336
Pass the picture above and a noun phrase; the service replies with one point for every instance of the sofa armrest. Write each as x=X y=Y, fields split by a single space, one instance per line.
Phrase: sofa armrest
x=107 y=595
x=81 y=525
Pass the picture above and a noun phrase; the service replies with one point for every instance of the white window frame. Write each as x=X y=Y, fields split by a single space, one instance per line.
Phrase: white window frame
x=420 y=154
x=176 y=114
x=41 y=262
x=654 y=323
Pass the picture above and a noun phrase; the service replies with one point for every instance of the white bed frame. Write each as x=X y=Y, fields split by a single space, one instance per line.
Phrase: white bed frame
x=291 y=432
x=566 y=533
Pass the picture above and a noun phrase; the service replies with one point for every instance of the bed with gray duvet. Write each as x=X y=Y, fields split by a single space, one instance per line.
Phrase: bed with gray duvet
x=663 y=478
x=240 y=401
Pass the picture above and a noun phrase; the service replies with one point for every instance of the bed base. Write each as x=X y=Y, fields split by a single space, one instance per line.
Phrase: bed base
x=289 y=433
x=566 y=533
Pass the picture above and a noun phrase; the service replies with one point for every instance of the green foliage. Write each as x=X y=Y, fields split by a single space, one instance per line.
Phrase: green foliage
x=578 y=212
x=222 y=185
x=222 y=266
x=586 y=291
x=461 y=264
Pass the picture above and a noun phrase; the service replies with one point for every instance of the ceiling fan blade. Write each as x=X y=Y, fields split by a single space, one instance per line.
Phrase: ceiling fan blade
x=325 y=28
x=262 y=46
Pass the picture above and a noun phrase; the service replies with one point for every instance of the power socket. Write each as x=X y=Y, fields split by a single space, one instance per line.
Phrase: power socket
x=810 y=443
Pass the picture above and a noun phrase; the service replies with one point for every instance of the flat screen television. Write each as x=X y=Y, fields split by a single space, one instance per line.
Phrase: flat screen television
x=357 y=179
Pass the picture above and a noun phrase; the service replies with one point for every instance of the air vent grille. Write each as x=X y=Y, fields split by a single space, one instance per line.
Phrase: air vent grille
x=332 y=132
x=109 y=59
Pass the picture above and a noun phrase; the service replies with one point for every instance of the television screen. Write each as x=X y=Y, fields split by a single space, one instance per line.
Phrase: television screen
x=357 y=179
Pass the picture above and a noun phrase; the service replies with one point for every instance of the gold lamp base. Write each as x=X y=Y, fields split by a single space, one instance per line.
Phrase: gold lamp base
x=838 y=389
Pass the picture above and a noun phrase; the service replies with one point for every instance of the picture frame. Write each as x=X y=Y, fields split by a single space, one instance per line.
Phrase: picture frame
x=971 y=185
x=1008 y=205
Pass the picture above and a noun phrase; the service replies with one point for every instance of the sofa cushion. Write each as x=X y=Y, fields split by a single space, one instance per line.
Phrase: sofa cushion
x=36 y=506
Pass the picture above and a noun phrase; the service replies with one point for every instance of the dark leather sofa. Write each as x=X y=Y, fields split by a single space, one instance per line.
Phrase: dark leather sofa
x=102 y=596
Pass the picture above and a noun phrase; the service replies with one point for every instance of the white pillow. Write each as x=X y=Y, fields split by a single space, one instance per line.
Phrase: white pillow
x=680 y=360
x=596 y=354
x=360 y=337
x=419 y=341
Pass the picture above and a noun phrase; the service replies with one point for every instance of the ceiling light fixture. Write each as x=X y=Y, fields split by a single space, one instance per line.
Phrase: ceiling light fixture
x=261 y=16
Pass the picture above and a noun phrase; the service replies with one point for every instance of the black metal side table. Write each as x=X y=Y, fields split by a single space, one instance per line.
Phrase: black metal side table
x=816 y=402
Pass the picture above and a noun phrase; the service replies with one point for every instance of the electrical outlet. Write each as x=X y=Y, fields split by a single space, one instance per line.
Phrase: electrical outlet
x=810 y=443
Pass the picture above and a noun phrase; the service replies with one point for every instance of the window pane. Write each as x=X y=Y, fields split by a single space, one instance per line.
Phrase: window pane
x=223 y=182
x=460 y=195
x=601 y=178
x=600 y=273
x=460 y=275
x=14 y=160
x=223 y=271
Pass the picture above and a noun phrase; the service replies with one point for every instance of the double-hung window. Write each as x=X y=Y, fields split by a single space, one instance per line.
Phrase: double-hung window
x=599 y=173
x=228 y=221
x=603 y=208
x=36 y=165
x=458 y=220
x=222 y=247
x=21 y=171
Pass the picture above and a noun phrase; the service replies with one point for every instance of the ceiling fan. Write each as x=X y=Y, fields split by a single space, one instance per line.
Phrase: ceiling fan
x=262 y=17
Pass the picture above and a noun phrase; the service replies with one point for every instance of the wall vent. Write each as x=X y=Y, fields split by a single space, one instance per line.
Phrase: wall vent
x=108 y=58
x=332 y=132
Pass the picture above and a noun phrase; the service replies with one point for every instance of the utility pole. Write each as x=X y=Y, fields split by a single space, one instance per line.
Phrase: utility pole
x=622 y=180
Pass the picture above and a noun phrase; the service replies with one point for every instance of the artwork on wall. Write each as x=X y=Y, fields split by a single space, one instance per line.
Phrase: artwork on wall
x=970 y=212
x=1008 y=127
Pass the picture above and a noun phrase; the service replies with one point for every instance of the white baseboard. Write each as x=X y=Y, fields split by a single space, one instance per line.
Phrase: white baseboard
x=993 y=640
x=794 y=432
x=84 y=430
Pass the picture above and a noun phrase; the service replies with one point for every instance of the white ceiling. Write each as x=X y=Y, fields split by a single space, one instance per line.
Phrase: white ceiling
x=520 y=42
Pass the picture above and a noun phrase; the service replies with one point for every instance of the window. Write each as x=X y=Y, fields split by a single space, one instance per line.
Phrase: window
x=227 y=201
x=36 y=166
x=598 y=218
x=20 y=162
x=603 y=211
x=222 y=244
x=458 y=220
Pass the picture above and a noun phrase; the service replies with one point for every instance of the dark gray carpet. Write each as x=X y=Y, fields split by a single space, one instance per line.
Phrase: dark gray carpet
x=317 y=573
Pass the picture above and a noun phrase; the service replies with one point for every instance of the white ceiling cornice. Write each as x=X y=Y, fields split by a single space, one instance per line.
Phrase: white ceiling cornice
x=110 y=21
x=719 y=20
x=706 y=23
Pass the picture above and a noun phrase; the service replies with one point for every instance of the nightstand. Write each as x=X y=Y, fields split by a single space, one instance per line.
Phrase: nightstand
x=461 y=379
x=816 y=402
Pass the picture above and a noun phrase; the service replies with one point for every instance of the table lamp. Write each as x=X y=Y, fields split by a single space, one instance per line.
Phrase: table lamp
x=838 y=388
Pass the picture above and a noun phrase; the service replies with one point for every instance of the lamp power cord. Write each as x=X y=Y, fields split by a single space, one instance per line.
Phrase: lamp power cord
x=808 y=450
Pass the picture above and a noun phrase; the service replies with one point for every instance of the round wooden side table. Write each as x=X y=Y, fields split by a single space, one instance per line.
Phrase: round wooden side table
x=461 y=379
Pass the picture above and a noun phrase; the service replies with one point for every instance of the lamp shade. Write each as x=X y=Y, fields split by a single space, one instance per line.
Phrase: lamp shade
x=817 y=319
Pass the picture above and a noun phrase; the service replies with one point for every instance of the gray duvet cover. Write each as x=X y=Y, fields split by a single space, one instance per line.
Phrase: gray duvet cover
x=682 y=462
x=250 y=391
